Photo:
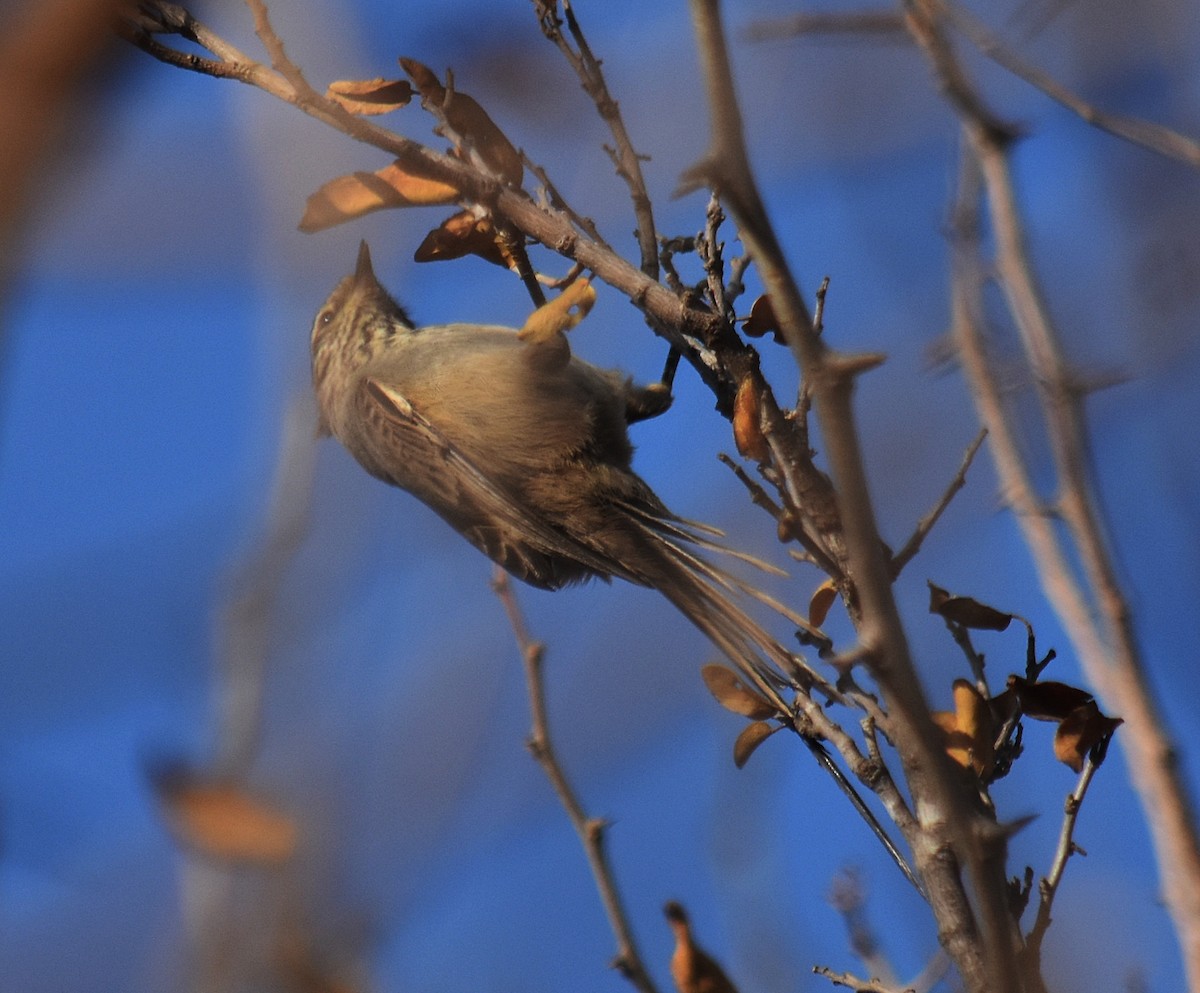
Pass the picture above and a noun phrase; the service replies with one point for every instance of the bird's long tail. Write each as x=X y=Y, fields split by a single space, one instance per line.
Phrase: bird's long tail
x=704 y=593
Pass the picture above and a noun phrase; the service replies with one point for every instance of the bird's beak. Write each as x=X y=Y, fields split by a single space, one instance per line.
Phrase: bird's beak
x=363 y=269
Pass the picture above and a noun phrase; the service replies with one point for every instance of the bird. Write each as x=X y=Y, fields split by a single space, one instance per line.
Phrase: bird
x=692 y=968
x=523 y=448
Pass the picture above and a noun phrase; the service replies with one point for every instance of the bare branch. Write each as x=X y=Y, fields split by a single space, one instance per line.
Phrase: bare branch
x=626 y=159
x=1048 y=887
x=1149 y=135
x=946 y=822
x=589 y=829
x=926 y=523
x=1110 y=656
x=886 y=24
x=857 y=985
x=243 y=624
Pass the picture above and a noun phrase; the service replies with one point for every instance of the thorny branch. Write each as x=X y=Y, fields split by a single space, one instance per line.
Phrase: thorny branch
x=1100 y=625
x=945 y=822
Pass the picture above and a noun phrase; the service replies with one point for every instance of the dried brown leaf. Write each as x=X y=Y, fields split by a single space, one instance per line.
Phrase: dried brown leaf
x=1047 y=701
x=819 y=603
x=463 y=234
x=751 y=737
x=224 y=822
x=732 y=693
x=347 y=197
x=762 y=320
x=1080 y=731
x=966 y=610
x=469 y=121
x=370 y=96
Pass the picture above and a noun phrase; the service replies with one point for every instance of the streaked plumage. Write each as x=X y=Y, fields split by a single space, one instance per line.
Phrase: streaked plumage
x=521 y=447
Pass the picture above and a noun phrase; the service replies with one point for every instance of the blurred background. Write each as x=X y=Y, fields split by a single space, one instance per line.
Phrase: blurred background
x=155 y=392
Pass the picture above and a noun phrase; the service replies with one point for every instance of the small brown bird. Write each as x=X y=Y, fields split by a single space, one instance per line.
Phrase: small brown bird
x=523 y=449
x=693 y=969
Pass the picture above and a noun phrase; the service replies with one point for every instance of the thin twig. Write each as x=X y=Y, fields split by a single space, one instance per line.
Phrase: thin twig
x=1149 y=135
x=848 y=897
x=856 y=984
x=1048 y=888
x=710 y=250
x=589 y=829
x=886 y=24
x=626 y=159
x=926 y=523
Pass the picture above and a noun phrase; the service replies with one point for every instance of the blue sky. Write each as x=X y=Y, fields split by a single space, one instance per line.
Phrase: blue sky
x=158 y=333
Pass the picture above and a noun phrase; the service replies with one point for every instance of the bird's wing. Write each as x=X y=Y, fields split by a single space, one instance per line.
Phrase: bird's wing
x=410 y=451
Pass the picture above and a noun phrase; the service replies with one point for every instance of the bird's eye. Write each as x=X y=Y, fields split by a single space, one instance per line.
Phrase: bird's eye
x=325 y=317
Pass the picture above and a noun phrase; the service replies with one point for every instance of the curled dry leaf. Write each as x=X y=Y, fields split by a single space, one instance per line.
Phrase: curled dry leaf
x=223 y=822
x=560 y=314
x=819 y=603
x=469 y=121
x=751 y=737
x=969 y=731
x=733 y=694
x=965 y=610
x=1047 y=701
x=370 y=96
x=747 y=424
x=1080 y=731
x=463 y=234
x=762 y=320
x=359 y=193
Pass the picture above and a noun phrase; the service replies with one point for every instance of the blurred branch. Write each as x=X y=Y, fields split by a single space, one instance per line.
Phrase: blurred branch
x=589 y=829
x=1149 y=135
x=849 y=899
x=946 y=823
x=244 y=621
x=862 y=23
x=926 y=523
x=1109 y=657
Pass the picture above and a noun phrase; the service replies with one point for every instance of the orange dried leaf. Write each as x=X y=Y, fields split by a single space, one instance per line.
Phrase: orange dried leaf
x=751 y=737
x=965 y=610
x=370 y=96
x=1080 y=731
x=747 y=429
x=223 y=822
x=347 y=197
x=463 y=234
x=560 y=314
x=819 y=603
x=733 y=694
x=956 y=743
x=973 y=718
x=469 y=121
x=1048 y=701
